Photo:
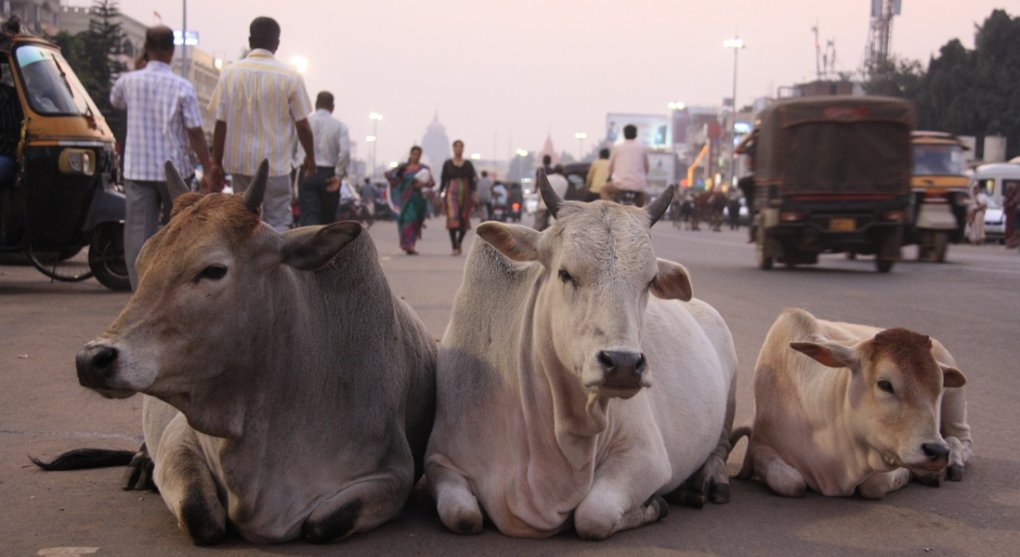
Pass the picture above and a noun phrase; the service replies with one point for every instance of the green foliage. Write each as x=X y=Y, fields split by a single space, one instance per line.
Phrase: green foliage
x=968 y=92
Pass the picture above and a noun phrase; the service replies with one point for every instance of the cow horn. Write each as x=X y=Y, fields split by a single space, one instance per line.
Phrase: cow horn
x=661 y=203
x=257 y=188
x=173 y=187
x=552 y=201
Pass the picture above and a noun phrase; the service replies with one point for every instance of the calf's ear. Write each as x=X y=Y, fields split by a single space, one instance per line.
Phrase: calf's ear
x=672 y=282
x=310 y=247
x=518 y=243
x=828 y=354
x=952 y=377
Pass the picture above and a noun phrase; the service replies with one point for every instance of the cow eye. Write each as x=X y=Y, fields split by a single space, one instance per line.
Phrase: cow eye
x=886 y=386
x=565 y=277
x=212 y=272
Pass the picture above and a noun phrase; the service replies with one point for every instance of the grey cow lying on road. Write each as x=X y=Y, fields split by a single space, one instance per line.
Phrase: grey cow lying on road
x=842 y=407
x=578 y=379
x=289 y=393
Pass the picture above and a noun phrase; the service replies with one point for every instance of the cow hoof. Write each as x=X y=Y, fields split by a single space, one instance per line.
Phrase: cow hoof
x=138 y=476
x=660 y=506
x=468 y=526
x=202 y=525
x=719 y=493
x=930 y=480
x=954 y=473
x=337 y=525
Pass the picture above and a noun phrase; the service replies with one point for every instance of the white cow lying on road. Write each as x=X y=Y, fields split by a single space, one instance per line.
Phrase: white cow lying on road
x=289 y=392
x=565 y=390
x=841 y=407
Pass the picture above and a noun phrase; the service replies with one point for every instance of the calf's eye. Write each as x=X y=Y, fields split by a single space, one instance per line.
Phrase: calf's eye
x=885 y=386
x=212 y=272
x=565 y=276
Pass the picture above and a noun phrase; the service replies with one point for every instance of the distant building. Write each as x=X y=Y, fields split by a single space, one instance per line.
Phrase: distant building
x=435 y=145
x=821 y=88
x=38 y=17
x=75 y=19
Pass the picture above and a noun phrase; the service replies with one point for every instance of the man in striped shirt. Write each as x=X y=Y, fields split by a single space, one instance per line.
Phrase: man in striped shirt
x=162 y=116
x=261 y=106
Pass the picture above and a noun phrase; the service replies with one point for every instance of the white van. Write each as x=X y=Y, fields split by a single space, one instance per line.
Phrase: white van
x=995 y=176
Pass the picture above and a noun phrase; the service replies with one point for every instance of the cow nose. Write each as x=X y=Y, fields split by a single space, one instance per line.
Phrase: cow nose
x=935 y=451
x=96 y=365
x=622 y=368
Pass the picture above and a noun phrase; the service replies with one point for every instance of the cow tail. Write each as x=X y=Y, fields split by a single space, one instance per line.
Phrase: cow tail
x=81 y=459
x=747 y=469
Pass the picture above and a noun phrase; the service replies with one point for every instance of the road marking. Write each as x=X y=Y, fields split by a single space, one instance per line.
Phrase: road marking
x=66 y=551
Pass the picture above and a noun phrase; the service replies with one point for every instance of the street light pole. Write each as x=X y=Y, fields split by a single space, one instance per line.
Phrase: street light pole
x=184 y=43
x=736 y=43
x=374 y=117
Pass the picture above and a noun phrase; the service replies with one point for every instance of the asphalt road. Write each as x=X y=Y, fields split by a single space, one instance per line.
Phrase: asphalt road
x=971 y=304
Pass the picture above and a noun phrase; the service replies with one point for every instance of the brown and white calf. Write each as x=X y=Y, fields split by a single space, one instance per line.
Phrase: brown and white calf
x=843 y=407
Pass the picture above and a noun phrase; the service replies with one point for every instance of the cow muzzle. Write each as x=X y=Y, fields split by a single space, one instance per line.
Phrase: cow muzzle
x=623 y=373
x=97 y=369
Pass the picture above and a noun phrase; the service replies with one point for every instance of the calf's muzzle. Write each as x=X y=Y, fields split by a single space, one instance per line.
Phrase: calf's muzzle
x=96 y=366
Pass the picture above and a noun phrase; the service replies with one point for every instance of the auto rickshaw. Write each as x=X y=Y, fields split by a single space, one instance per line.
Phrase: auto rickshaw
x=62 y=195
x=830 y=174
x=938 y=214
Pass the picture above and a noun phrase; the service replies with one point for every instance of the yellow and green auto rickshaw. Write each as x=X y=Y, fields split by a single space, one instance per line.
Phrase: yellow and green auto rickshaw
x=60 y=193
x=939 y=181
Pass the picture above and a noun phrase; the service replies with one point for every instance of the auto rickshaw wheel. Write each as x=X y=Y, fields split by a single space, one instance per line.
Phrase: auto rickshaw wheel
x=106 y=256
x=52 y=265
x=884 y=265
x=764 y=261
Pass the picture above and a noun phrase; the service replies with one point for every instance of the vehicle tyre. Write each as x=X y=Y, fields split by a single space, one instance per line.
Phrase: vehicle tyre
x=851 y=255
x=764 y=261
x=940 y=248
x=884 y=265
x=106 y=256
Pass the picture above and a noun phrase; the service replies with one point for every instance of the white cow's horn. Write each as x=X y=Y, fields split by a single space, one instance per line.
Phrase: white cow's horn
x=661 y=203
x=257 y=188
x=552 y=201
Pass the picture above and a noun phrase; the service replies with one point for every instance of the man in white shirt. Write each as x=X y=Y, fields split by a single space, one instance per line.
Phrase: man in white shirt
x=318 y=195
x=162 y=118
x=628 y=168
x=261 y=106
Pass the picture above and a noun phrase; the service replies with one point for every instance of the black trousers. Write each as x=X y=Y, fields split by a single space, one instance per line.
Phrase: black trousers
x=318 y=206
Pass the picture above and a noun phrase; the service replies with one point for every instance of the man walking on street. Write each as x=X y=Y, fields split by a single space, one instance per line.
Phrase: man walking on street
x=261 y=106
x=483 y=189
x=319 y=194
x=162 y=117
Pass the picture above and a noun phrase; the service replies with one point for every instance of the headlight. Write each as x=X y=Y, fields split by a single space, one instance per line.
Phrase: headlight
x=77 y=161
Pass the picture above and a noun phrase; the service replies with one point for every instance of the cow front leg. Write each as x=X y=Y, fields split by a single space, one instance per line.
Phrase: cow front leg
x=623 y=495
x=457 y=506
x=776 y=473
x=959 y=454
x=357 y=508
x=187 y=486
x=607 y=509
x=876 y=486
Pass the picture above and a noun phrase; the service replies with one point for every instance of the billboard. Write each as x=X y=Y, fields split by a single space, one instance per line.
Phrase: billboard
x=653 y=130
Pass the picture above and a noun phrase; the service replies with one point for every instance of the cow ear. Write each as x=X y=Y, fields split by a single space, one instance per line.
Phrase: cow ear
x=672 y=282
x=519 y=243
x=952 y=377
x=828 y=354
x=310 y=247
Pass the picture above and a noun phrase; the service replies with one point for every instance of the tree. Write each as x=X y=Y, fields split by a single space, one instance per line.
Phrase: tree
x=967 y=92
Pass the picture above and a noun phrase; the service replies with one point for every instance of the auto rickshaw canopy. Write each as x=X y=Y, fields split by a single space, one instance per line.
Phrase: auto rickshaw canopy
x=834 y=144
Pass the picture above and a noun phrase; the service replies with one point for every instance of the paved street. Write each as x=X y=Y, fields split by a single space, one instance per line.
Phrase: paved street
x=971 y=304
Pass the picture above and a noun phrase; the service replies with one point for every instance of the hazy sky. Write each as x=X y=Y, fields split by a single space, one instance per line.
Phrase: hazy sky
x=503 y=74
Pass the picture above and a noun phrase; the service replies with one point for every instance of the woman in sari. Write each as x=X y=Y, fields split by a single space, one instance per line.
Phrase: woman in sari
x=406 y=182
x=458 y=182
